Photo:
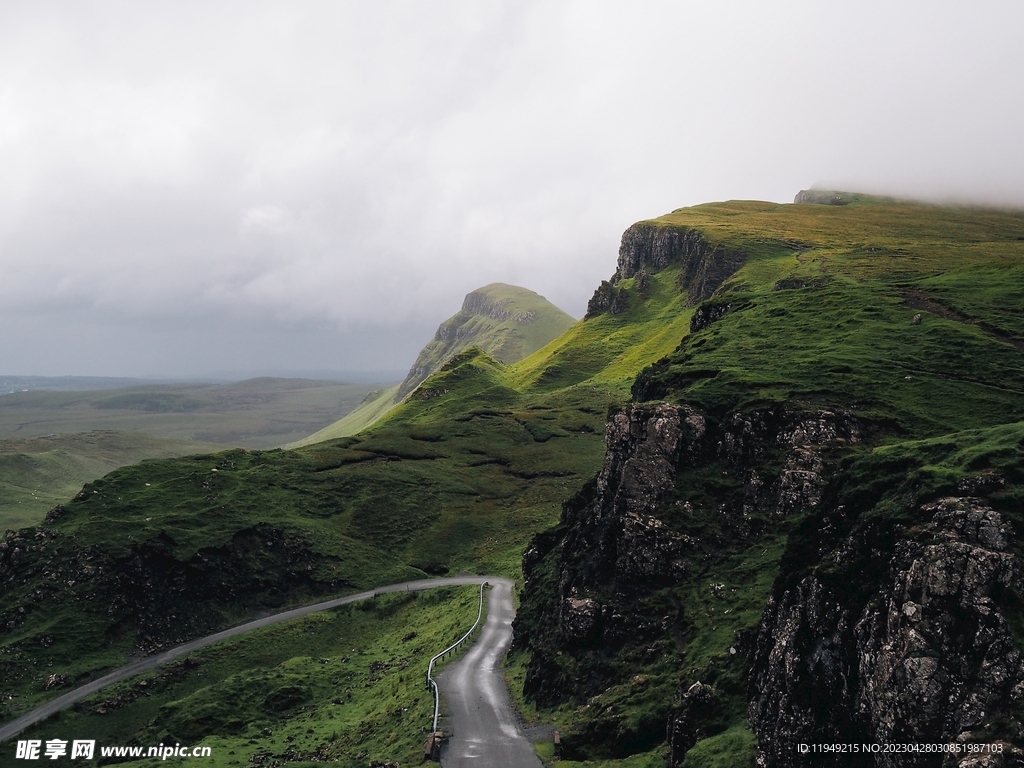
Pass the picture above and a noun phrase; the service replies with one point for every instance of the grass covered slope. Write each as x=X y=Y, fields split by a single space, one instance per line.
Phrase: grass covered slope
x=342 y=686
x=898 y=321
x=506 y=321
x=459 y=476
x=823 y=312
x=373 y=408
x=38 y=473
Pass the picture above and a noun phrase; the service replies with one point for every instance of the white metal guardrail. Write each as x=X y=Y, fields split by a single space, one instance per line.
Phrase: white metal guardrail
x=431 y=683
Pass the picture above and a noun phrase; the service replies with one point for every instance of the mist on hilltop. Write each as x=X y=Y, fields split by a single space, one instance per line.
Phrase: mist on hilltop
x=211 y=187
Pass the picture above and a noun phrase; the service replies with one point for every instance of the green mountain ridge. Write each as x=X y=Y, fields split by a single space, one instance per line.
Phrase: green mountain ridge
x=505 y=321
x=765 y=402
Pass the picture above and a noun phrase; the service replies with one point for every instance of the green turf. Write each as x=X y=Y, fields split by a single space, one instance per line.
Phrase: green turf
x=38 y=473
x=345 y=686
x=506 y=321
x=373 y=408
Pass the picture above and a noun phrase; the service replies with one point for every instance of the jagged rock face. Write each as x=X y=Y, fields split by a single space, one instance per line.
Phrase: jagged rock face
x=802 y=681
x=615 y=547
x=624 y=539
x=650 y=247
x=647 y=248
x=930 y=657
x=479 y=304
x=697 y=707
x=821 y=197
x=601 y=301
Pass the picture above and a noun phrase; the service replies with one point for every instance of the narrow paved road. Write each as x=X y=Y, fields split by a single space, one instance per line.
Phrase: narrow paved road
x=14 y=727
x=483 y=726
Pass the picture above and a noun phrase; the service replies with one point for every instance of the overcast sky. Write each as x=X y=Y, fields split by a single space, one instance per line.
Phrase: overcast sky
x=251 y=187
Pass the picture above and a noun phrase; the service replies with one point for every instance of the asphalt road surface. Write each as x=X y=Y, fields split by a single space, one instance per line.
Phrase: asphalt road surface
x=483 y=728
x=14 y=727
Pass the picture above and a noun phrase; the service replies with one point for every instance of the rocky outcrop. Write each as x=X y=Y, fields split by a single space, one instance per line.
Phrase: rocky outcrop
x=624 y=540
x=601 y=301
x=647 y=248
x=708 y=313
x=928 y=657
x=651 y=247
x=480 y=304
x=697 y=713
x=892 y=620
x=621 y=539
x=822 y=197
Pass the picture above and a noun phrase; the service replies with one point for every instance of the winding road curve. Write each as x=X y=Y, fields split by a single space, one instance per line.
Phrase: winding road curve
x=16 y=726
x=481 y=722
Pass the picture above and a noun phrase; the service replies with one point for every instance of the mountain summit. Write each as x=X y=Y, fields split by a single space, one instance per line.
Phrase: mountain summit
x=505 y=321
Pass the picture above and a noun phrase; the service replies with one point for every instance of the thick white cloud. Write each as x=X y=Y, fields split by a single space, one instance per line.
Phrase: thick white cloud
x=176 y=174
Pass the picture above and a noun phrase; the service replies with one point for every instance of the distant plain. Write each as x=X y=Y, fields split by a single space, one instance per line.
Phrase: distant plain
x=52 y=441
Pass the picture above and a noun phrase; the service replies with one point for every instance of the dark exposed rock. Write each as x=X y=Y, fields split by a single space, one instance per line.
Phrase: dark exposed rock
x=708 y=313
x=697 y=714
x=928 y=657
x=56 y=681
x=615 y=546
x=601 y=301
x=579 y=619
x=643 y=281
x=55 y=514
x=822 y=197
x=648 y=248
x=621 y=302
x=796 y=283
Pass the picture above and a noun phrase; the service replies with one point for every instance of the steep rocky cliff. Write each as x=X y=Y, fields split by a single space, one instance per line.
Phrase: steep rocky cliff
x=884 y=629
x=803 y=533
x=616 y=574
x=650 y=247
x=920 y=651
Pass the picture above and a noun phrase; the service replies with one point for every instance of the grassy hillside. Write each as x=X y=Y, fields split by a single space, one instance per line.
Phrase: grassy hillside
x=819 y=314
x=338 y=686
x=457 y=477
x=823 y=313
x=905 y=319
x=38 y=473
x=373 y=408
x=505 y=321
